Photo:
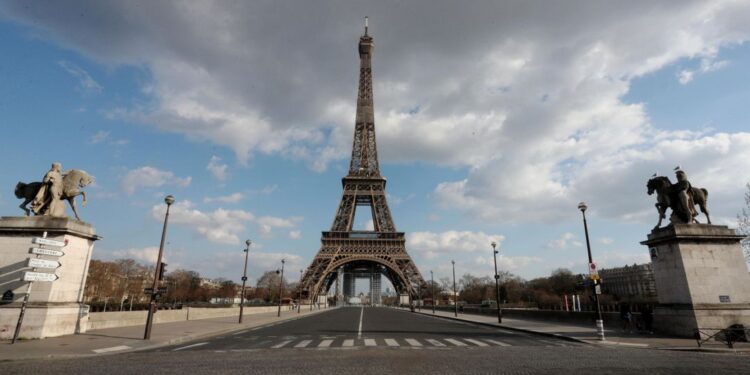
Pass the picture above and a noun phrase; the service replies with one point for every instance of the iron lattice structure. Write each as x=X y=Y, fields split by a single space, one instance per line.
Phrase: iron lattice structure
x=363 y=186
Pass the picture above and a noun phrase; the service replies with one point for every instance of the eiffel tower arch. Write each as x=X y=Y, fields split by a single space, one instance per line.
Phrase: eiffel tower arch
x=383 y=248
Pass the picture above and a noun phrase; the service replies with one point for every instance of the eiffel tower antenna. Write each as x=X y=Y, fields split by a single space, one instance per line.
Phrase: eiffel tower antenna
x=343 y=250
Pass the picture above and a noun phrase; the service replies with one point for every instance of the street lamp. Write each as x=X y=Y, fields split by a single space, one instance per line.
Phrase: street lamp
x=497 y=283
x=432 y=283
x=599 y=322
x=281 y=286
x=244 y=279
x=455 y=296
x=157 y=272
x=299 y=300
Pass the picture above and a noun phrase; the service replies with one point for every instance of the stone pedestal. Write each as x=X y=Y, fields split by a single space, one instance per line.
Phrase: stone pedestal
x=702 y=280
x=54 y=308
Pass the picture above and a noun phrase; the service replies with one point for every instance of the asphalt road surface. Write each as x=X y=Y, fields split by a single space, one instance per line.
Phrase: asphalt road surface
x=386 y=341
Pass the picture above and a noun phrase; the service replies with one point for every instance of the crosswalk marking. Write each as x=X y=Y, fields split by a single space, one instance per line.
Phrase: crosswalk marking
x=413 y=342
x=391 y=342
x=348 y=343
x=435 y=342
x=370 y=342
x=498 y=343
x=281 y=344
x=303 y=343
x=476 y=342
x=456 y=342
x=325 y=343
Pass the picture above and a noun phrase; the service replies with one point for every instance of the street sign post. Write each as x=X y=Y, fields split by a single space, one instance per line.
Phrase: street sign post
x=48 y=242
x=43 y=263
x=148 y=290
x=50 y=252
x=39 y=276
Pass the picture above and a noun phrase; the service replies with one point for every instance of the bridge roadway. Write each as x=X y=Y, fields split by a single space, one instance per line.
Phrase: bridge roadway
x=369 y=327
x=386 y=341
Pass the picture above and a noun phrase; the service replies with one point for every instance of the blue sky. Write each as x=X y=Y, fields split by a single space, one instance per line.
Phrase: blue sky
x=486 y=130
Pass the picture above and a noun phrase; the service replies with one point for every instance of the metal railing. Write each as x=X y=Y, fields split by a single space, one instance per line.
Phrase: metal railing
x=728 y=336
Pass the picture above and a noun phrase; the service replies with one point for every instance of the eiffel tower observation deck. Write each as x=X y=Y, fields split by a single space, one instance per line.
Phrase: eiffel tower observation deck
x=382 y=249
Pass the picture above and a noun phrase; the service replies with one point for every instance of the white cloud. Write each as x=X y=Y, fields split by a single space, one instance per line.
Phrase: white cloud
x=99 y=137
x=218 y=170
x=144 y=255
x=295 y=234
x=266 y=224
x=450 y=243
x=231 y=198
x=565 y=240
x=708 y=64
x=85 y=82
x=606 y=241
x=150 y=177
x=220 y=226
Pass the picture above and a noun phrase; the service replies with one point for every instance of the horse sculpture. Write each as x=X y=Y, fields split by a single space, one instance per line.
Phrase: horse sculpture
x=666 y=197
x=73 y=180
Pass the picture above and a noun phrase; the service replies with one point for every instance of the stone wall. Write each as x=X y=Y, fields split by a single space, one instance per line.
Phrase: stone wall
x=114 y=319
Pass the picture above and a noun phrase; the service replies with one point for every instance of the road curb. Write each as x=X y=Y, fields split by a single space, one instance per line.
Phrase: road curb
x=524 y=330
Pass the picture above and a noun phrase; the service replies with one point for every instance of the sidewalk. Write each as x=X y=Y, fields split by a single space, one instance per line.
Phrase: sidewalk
x=587 y=334
x=124 y=339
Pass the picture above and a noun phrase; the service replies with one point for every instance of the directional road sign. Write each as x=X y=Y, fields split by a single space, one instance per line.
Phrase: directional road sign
x=43 y=263
x=54 y=253
x=48 y=242
x=163 y=290
x=39 y=276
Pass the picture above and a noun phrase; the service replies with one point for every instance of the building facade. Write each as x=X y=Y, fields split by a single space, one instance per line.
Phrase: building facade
x=630 y=283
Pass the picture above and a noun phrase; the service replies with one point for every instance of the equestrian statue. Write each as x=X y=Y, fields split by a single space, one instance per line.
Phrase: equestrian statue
x=681 y=197
x=46 y=197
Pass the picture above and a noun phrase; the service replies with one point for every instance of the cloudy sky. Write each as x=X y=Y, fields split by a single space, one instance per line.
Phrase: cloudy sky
x=494 y=119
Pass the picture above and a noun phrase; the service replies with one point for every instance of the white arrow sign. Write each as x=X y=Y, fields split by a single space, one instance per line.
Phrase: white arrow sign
x=54 y=253
x=39 y=276
x=48 y=242
x=43 y=263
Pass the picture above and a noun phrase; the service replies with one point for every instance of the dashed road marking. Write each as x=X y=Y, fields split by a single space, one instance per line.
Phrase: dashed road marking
x=413 y=342
x=498 y=343
x=281 y=344
x=391 y=342
x=456 y=342
x=303 y=343
x=325 y=343
x=348 y=343
x=112 y=349
x=476 y=342
x=190 y=346
x=435 y=342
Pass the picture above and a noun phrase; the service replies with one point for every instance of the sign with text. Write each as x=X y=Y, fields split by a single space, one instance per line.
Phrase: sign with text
x=48 y=242
x=43 y=263
x=54 y=253
x=39 y=276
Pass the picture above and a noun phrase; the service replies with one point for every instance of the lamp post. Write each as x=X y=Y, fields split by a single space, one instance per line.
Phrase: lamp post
x=244 y=279
x=281 y=286
x=299 y=300
x=157 y=272
x=455 y=297
x=497 y=283
x=599 y=322
x=432 y=284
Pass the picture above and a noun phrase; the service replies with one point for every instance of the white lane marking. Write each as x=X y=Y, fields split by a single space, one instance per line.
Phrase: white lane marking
x=413 y=342
x=435 y=342
x=240 y=332
x=303 y=343
x=370 y=342
x=325 y=343
x=190 y=346
x=476 y=342
x=552 y=343
x=348 y=343
x=498 y=343
x=112 y=349
x=391 y=342
x=281 y=344
x=359 y=331
x=455 y=342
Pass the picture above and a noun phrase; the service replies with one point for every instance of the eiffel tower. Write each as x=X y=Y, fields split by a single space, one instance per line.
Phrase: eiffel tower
x=383 y=249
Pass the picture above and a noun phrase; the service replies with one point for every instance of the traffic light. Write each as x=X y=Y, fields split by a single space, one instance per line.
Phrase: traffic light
x=162 y=270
